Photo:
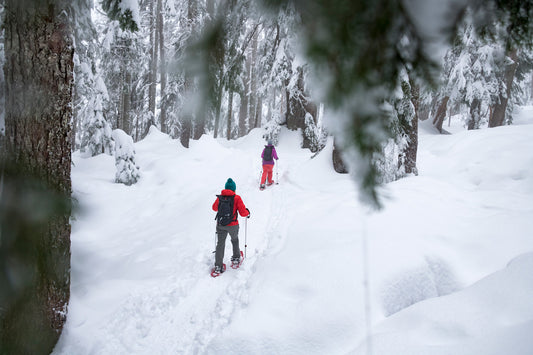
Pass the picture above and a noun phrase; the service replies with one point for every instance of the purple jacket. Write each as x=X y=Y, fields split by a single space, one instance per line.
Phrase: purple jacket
x=274 y=155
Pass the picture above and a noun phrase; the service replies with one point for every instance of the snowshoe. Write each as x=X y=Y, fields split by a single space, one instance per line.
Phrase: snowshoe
x=237 y=262
x=262 y=187
x=217 y=270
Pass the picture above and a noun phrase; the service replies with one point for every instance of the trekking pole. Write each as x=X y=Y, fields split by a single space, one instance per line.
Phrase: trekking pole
x=277 y=179
x=214 y=251
x=245 y=236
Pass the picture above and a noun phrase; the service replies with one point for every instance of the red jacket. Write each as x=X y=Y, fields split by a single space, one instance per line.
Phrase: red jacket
x=238 y=205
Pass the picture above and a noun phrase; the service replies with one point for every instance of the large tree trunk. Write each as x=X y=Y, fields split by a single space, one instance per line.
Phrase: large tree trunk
x=36 y=239
x=498 y=114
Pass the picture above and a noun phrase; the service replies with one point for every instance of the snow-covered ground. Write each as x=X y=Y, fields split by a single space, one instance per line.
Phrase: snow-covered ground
x=448 y=262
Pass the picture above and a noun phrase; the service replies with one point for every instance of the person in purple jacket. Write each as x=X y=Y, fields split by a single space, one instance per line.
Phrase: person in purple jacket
x=268 y=155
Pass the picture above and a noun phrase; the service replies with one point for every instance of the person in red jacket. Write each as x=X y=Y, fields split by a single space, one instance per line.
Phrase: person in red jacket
x=223 y=227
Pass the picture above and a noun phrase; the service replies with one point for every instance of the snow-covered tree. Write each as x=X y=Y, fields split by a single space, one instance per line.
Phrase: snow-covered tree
x=92 y=131
x=96 y=131
x=124 y=68
x=128 y=172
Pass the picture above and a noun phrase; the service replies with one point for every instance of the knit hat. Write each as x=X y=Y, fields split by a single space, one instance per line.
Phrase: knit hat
x=269 y=142
x=230 y=185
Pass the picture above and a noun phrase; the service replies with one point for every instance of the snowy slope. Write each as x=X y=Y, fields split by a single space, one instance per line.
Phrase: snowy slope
x=439 y=255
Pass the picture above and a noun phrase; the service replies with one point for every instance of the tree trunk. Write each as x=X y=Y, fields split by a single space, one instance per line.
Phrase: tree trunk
x=412 y=145
x=475 y=115
x=162 y=66
x=39 y=83
x=258 y=112
x=220 y=90
x=230 y=114
x=152 y=77
x=440 y=115
x=252 y=109
x=126 y=103
x=338 y=163
x=244 y=108
x=498 y=115
x=299 y=106
x=187 y=115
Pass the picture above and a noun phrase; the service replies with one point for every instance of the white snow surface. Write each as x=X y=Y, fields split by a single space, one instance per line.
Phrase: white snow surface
x=448 y=263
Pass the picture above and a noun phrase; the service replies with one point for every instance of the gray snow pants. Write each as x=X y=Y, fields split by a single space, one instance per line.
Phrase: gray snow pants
x=222 y=233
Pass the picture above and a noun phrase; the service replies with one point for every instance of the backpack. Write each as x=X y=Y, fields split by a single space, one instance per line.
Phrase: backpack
x=267 y=155
x=225 y=213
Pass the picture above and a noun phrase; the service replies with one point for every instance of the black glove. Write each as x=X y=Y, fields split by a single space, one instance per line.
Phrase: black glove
x=248 y=213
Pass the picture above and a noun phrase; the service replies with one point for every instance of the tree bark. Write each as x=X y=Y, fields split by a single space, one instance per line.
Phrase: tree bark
x=152 y=78
x=252 y=99
x=162 y=66
x=412 y=145
x=39 y=83
x=498 y=114
x=230 y=114
x=244 y=107
x=475 y=115
x=187 y=116
x=338 y=163
x=125 y=111
x=440 y=115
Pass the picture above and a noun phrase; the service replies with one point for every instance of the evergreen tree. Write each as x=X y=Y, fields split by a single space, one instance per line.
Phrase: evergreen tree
x=128 y=173
x=92 y=132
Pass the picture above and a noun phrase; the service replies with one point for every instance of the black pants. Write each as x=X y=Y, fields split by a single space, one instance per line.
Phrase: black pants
x=222 y=233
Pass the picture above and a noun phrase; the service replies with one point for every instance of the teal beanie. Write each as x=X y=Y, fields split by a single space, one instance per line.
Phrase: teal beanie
x=230 y=185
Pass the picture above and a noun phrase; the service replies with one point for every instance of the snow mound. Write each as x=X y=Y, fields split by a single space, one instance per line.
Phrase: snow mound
x=491 y=317
x=434 y=278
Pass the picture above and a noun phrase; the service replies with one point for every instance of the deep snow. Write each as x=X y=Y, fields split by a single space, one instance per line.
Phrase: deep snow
x=447 y=262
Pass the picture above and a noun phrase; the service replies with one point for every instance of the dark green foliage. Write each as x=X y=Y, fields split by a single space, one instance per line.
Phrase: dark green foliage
x=518 y=14
x=124 y=18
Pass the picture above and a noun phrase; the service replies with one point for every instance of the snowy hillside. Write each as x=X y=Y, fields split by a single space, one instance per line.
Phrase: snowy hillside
x=461 y=230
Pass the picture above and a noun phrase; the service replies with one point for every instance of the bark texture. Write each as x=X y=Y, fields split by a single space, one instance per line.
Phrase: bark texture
x=498 y=114
x=36 y=173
